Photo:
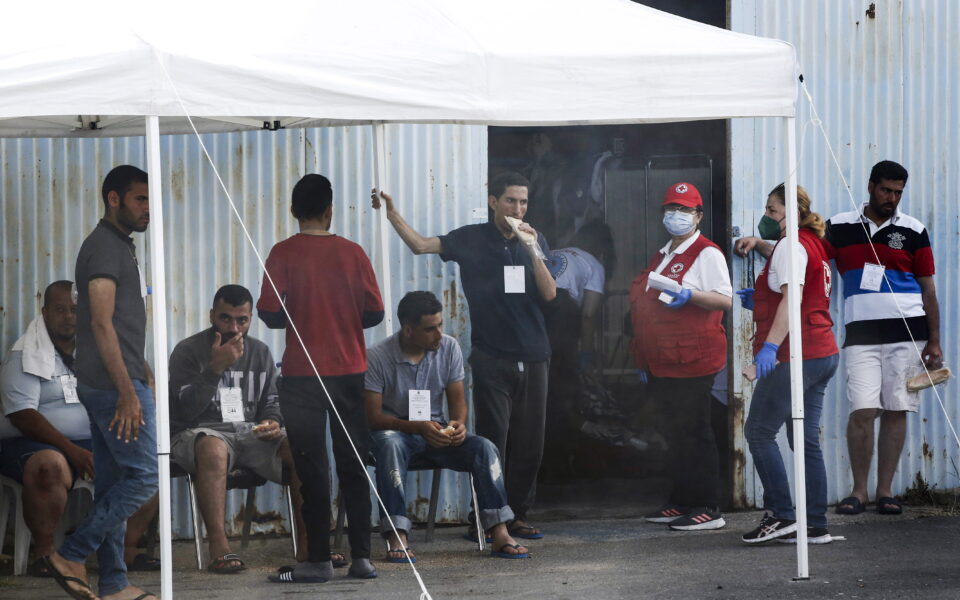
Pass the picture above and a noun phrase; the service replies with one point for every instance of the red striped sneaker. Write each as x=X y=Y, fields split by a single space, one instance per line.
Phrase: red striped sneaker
x=667 y=514
x=699 y=518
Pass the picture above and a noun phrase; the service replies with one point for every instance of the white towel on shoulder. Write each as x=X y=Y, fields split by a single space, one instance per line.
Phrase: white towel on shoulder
x=38 y=354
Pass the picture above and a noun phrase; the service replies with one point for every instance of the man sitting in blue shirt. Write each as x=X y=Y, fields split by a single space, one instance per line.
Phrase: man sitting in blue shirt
x=407 y=377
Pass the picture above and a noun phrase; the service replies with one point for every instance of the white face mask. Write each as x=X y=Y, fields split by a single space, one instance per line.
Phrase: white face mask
x=678 y=223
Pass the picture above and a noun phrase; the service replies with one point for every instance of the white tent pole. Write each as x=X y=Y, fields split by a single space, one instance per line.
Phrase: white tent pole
x=379 y=178
x=157 y=274
x=796 y=346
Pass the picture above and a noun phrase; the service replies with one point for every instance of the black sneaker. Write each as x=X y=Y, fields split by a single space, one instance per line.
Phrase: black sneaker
x=815 y=535
x=697 y=519
x=667 y=514
x=770 y=528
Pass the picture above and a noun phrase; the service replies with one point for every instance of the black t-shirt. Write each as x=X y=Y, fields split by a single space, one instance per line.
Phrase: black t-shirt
x=503 y=325
x=108 y=252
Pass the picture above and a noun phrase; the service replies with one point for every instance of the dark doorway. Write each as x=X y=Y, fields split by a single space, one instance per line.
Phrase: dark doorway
x=604 y=453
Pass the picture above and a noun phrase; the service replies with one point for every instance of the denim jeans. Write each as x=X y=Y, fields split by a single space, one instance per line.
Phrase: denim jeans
x=126 y=477
x=770 y=410
x=396 y=450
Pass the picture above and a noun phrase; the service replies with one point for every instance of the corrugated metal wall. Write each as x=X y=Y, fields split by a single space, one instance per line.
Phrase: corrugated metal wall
x=886 y=87
x=51 y=201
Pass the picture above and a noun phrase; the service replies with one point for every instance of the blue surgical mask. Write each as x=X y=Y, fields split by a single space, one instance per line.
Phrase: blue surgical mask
x=678 y=223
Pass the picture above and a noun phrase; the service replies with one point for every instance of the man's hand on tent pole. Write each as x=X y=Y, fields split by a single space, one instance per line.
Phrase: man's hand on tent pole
x=381 y=199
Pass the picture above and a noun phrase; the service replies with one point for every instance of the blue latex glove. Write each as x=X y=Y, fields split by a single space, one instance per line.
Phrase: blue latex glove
x=766 y=359
x=679 y=298
x=746 y=298
x=642 y=375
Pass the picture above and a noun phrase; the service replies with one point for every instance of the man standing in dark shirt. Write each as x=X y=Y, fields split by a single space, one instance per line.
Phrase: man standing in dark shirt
x=224 y=415
x=505 y=282
x=114 y=387
x=321 y=288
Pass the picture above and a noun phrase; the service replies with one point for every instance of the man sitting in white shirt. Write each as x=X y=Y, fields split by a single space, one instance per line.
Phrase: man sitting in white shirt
x=46 y=432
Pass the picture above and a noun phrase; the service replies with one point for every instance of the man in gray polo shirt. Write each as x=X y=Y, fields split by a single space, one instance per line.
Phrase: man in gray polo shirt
x=114 y=386
x=408 y=375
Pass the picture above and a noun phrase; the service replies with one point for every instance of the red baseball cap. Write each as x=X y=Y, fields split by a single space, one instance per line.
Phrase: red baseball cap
x=684 y=194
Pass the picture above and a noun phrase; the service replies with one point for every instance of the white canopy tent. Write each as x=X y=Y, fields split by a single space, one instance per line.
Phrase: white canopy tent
x=115 y=69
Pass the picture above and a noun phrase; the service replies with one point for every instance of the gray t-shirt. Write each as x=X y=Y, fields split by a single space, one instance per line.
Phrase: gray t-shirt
x=108 y=252
x=23 y=391
x=391 y=374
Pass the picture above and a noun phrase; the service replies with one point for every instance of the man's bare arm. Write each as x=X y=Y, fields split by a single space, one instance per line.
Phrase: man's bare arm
x=103 y=293
x=35 y=426
x=546 y=284
x=932 y=353
x=416 y=242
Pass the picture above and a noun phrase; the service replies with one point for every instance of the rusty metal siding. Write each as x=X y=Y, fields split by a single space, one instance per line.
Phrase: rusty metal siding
x=51 y=200
x=886 y=87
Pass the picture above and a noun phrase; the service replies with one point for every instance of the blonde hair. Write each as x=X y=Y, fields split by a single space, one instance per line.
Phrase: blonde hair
x=808 y=218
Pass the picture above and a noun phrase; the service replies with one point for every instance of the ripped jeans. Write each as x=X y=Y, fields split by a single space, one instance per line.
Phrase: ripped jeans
x=395 y=451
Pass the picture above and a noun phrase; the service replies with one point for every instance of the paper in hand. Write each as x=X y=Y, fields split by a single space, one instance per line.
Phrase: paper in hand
x=527 y=238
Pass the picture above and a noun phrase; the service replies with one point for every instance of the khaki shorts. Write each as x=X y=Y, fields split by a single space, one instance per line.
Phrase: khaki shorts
x=244 y=449
x=877 y=375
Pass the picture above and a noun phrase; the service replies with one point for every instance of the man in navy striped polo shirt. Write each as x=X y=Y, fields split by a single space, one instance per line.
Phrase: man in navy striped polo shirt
x=892 y=319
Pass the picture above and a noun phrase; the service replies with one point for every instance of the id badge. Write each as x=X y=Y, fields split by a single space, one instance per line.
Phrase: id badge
x=419 y=407
x=514 y=279
x=231 y=404
x=69 y=385
x=872 y=277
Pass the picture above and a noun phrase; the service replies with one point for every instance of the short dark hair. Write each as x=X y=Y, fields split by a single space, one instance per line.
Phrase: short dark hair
x=63 y=284
x=504 y=180
x=595 y=237
x=234 y=295
x=120 y=179
x=889 y=170
x=416 y=305
x=312 y=195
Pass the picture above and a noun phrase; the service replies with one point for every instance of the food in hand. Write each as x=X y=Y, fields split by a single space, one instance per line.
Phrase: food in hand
x=922 y=381
x=448 y=430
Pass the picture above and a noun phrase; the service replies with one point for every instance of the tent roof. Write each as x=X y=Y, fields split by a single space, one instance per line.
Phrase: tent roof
x=498 y=62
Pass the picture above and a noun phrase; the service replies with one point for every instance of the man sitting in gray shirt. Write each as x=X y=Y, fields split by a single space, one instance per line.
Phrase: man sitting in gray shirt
x=224 y=415
x=408 y=375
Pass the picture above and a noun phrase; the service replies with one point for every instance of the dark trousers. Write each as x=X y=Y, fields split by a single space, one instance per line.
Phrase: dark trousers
x=694 y=464
x=510 y=404
x=305 y=407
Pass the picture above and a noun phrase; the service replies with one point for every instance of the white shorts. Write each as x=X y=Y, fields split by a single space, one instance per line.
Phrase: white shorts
x=877 y=375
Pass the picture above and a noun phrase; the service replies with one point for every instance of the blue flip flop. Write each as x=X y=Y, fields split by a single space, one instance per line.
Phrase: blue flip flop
x=472 y=537
x=401 y=556
x=525 y=532
x=501 y=554
x=850 y=506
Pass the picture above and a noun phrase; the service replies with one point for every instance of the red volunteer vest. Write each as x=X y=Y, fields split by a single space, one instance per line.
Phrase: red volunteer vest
x=815 y=322
x=684 y=342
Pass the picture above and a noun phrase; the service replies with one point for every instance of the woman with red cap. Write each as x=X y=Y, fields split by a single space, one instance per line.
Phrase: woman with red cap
x=770 y=406
x=679 y=345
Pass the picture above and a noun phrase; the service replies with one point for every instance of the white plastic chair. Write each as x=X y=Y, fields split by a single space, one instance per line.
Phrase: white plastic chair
x=11 y=497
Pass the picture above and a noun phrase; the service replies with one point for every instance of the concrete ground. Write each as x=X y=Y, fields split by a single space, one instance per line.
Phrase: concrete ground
x=910 y=556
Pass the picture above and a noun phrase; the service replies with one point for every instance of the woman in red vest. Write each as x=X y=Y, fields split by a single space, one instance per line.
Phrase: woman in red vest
x=679 y=345
x=770 y=407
